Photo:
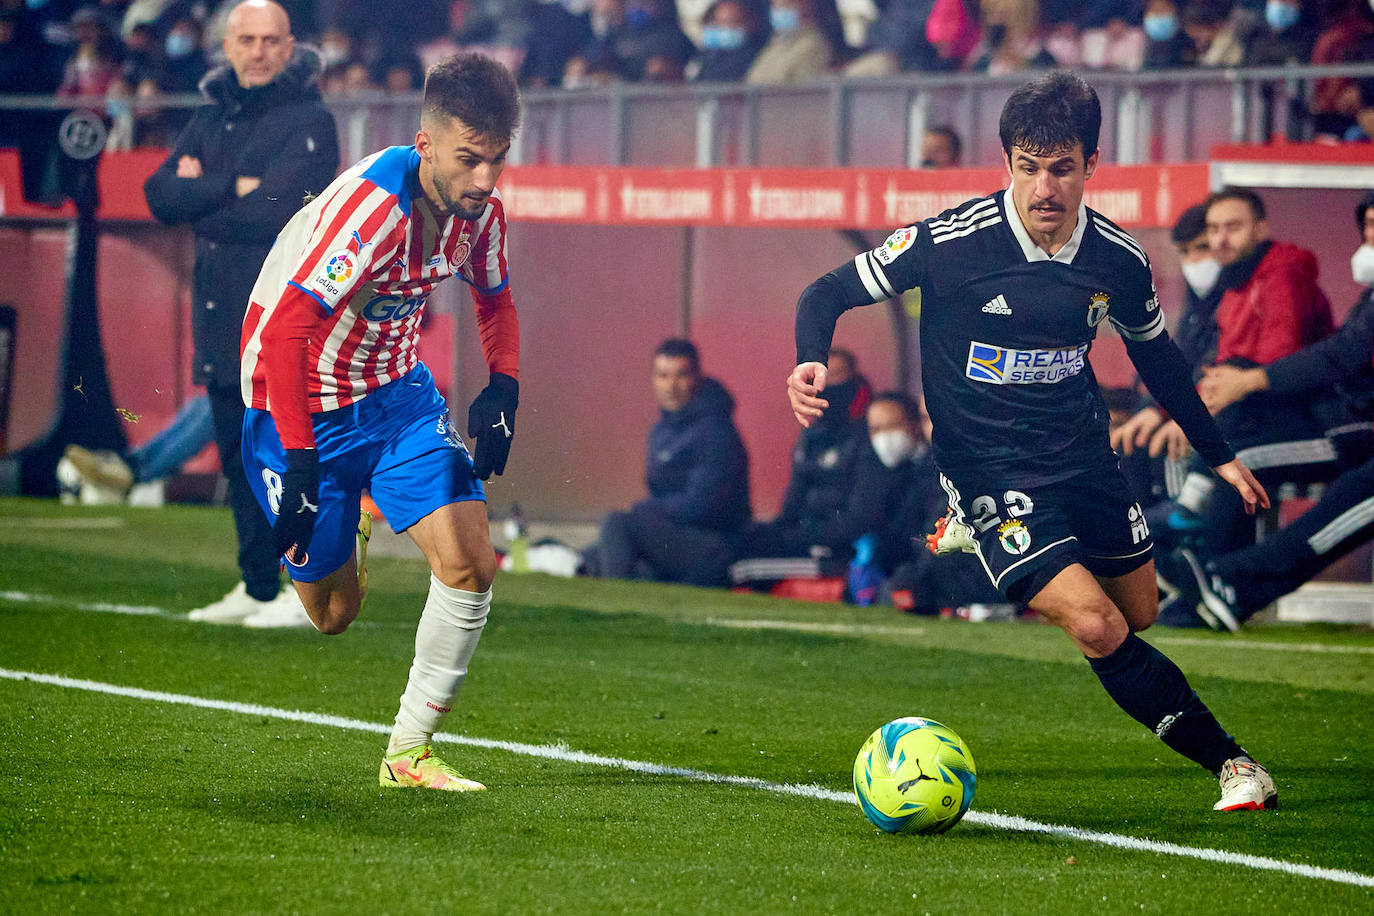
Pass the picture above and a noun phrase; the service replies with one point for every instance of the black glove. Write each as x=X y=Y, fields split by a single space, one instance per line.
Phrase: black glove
x=491 y=421
x=299 y=505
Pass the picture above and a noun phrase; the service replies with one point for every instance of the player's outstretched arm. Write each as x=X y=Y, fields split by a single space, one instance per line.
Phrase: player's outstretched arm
x=1250 y=490
x=804 y=387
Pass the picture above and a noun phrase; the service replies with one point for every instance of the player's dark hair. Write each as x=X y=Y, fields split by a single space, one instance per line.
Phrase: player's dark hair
x=1051 y=113
x=476 y=90
x=910 y=409
x=956 y=146
x=1245 y=195
x=1191 y=223
x=680 y=348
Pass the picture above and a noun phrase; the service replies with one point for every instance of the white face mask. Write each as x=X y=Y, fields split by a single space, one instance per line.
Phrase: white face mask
x=893 y=446
x=1202 y=276
x=1362 y=262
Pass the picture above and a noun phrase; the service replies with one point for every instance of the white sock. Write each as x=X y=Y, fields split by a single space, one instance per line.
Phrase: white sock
x=447 y=635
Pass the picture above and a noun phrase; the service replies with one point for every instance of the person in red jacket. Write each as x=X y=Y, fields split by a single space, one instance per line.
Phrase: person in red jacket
x=1270 y=307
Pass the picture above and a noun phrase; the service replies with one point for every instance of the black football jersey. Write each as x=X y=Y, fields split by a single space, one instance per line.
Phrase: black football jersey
x=1006 y=331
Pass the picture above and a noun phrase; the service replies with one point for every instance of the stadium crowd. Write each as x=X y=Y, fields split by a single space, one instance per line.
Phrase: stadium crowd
x=130 y=50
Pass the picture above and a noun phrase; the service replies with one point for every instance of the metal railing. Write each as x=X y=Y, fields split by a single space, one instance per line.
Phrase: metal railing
x=1153 y=116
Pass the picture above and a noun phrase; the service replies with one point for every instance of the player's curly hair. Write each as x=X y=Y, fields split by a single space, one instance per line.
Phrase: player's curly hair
x=1052 y=113
x=476 y=90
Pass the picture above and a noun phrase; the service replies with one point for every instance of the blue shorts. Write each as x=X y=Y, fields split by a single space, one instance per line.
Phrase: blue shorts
x=1028 y=535
x=397 y=442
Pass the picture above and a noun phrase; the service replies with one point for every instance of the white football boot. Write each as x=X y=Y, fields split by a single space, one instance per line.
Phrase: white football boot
x=103 y=468
x=285 y=610
x=1246 y=786
x=950 y=536
x=232 y=608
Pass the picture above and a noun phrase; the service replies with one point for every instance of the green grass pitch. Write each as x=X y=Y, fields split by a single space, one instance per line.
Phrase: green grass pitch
x=113 y=800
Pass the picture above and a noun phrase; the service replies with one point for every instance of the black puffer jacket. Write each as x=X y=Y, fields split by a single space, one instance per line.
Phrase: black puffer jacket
x=697 y=469
x=279 y=133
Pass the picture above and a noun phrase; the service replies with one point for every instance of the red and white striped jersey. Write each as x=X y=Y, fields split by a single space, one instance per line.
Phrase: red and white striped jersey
x=368 y=251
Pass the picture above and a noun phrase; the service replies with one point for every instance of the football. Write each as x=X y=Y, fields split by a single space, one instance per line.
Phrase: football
x=914 y=775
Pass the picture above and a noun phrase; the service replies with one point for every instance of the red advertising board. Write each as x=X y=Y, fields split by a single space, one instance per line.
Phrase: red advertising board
x=1134 y=195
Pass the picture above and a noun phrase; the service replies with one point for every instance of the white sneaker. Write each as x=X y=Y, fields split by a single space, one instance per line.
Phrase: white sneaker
x=103 y=468
x=285 y=610
x=1246 y=786
x=232 y=608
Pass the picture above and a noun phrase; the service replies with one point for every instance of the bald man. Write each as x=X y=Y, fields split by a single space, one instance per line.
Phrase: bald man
x=260 y=145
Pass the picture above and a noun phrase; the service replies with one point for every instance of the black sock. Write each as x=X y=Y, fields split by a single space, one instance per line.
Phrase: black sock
x=1154 y=692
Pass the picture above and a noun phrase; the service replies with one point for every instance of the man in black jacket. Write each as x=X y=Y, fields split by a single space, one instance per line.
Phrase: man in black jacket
x=259 y=147
x=697 y=472
x=822 y=479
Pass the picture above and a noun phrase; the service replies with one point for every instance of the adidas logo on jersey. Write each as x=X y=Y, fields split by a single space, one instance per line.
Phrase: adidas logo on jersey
x=997 y=306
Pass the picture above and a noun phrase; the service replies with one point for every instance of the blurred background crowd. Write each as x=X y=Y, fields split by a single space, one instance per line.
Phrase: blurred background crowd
x=129 y=51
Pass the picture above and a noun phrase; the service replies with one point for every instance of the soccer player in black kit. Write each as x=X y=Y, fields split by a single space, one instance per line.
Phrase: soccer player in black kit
x=1013 y=288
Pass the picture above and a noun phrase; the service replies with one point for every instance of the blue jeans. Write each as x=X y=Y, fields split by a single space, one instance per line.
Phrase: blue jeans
x=178 y=442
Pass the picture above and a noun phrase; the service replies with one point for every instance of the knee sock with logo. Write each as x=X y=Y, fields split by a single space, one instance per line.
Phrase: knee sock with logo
x=1153 y=691
x=449 y=629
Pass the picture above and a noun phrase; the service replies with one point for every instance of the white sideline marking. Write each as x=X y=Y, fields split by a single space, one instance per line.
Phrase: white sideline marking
x=100 y=606
x=76 y=524
x=762 y=623
x=1256 y=644
x=563 y=753
x=806 y=626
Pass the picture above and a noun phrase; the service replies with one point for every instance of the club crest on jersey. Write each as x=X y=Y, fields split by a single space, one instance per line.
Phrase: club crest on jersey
x=460 y=255
x=1097 y=309
x=1014 y=537
x=896 y=243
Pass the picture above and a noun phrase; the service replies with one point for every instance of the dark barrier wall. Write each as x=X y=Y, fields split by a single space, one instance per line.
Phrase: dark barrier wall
x=594 y=301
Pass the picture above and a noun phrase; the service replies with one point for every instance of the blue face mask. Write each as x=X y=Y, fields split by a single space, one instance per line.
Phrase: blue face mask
x=179 y=44
x=1161 y=27
x=638 y=17
x=784 y=18
x=722 y=38
x=1280 y=16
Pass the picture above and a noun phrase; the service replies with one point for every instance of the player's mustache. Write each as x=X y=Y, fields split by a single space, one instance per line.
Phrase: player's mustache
x=1046 y=205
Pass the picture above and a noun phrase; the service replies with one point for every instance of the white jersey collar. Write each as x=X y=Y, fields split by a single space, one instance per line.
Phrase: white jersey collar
x=1034 y=252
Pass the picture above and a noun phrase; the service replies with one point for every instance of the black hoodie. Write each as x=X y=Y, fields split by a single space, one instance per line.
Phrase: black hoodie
x=280 y=133
x=697 y=469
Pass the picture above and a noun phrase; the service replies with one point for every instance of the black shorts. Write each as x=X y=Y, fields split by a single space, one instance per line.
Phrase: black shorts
x=1028 y=535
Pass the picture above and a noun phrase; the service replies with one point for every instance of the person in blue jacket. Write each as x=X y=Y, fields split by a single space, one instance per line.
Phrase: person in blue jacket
x=697 y=471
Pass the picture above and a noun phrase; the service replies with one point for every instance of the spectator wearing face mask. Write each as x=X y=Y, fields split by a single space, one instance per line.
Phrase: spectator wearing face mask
x=1287 y=36
x=184 y=64
x=798 y=50
x=917 y=581
x=1166 y=45
x=1196 y=332
x=731 y=37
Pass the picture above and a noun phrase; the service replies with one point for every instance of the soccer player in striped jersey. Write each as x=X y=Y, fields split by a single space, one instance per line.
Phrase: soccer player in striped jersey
x=1013 y=289
x=338 y=399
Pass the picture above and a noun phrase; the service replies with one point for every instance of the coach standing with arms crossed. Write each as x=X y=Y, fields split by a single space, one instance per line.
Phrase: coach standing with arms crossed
x=259 y=147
